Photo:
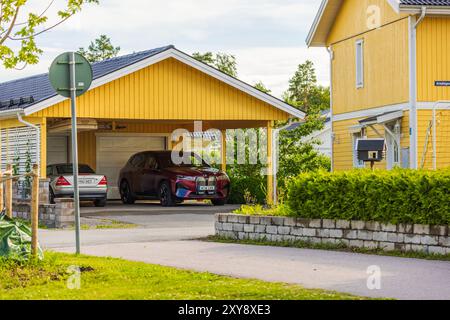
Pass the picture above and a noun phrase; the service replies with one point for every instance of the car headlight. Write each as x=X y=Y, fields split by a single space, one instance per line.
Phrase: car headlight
x=186 y=178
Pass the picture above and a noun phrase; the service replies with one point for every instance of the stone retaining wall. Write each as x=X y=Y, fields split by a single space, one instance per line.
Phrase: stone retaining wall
x=58 y=215
x=359 y=234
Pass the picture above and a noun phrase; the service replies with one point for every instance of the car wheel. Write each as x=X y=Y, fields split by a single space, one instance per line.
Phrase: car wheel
x=125 y=193
x=165 y=195
x=51 y=197
x=100 y=203
x=219 y=203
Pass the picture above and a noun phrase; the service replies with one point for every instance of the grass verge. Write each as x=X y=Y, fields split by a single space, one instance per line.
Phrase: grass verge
x=333 y=247
x=116 y=279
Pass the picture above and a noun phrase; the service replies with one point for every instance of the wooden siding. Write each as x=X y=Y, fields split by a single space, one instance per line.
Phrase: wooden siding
x=386 y=70
x=433 y=63
x=425 y=149
x=168 y=90
x=352 y=18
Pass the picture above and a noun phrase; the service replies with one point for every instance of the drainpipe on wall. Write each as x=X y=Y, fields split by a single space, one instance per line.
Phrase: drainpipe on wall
x=38 y=136
x=330 y=51
x=413 y=86
x=275 y=158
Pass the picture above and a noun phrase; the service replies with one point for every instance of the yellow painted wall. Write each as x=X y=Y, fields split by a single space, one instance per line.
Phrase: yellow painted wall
x=433 y=58
x=386 y=70
x=353 y=16
x=168 y=90
x=343 y=143
x=443 y=138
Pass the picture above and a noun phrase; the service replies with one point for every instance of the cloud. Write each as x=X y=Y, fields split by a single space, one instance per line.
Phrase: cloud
x=267 y=36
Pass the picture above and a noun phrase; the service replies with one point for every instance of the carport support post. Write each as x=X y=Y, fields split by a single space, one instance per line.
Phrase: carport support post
x=76 y=193
x=8 y=192
x=270 y=167
x=224 y=150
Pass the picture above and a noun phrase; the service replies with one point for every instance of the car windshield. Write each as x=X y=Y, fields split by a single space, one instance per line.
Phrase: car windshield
x=68 y=169
x=165 y=161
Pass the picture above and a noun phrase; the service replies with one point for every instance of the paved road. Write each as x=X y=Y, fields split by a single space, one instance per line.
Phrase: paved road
x=165 y=239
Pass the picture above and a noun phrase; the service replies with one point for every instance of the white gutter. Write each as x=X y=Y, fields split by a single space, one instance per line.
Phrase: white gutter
x=413 y=124
x=276 y=158
x=330 y=51
x=10 y=114
x=38 y=135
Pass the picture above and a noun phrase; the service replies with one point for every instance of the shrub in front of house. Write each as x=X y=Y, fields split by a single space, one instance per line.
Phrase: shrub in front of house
x=397 y=196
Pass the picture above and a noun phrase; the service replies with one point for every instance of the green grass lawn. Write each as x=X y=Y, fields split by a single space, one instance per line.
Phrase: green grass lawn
x=107 y=278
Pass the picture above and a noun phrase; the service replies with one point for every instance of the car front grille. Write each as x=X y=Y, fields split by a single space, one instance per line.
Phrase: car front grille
x=206 y=182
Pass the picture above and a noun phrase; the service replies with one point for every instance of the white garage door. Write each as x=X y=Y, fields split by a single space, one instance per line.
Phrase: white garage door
x=57 y=150
x=113 y=152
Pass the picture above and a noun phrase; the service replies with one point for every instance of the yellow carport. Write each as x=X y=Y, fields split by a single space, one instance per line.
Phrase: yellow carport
x=135 y=103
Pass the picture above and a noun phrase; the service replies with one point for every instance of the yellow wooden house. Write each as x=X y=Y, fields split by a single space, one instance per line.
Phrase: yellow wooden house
x=135 y=103
x=390 y=78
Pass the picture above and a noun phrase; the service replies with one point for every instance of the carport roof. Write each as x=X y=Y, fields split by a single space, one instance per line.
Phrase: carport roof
x=32 y=94
x=40 y=89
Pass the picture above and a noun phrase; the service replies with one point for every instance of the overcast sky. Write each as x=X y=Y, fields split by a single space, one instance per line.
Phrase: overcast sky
x=267 y=36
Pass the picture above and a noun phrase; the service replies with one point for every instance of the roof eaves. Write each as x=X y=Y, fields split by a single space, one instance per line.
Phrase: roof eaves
x=316 y=22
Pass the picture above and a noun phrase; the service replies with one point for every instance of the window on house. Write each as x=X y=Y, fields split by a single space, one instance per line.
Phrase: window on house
x=356 y=162
x=360 y=64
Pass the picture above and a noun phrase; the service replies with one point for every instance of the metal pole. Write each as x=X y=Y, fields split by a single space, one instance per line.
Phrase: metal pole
x=434 y=140
x=76 y=192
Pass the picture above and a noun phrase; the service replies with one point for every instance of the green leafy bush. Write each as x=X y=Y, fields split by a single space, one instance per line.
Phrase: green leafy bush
x=398 y=196
x=247 y=189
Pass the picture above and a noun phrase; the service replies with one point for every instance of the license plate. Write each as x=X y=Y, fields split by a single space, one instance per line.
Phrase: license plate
x=207 y=188
x=87 y=181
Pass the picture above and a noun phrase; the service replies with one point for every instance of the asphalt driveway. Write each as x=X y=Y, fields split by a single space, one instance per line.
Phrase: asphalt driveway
x=167 y=236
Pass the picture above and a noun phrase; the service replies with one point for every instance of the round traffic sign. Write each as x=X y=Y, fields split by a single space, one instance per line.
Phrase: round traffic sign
x=60 y=74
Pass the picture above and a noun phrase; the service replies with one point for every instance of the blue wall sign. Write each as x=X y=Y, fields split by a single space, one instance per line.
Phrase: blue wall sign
x=442 y=83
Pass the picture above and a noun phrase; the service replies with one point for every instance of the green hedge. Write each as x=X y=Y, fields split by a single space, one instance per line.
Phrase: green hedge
x=253 y=186
x=398 y=196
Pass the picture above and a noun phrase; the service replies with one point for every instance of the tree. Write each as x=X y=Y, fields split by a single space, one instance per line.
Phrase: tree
x=261 y=87
x=224 y=62
x=304 y=92
x=100 y=49
x=295 y=155
x=24 y=32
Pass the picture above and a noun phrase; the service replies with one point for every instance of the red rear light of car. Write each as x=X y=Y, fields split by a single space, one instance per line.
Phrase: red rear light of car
x=61 y=182
x=103 y=182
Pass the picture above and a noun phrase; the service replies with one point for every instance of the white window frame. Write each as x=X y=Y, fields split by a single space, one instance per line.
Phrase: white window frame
x=356 y=163
x=359 y=63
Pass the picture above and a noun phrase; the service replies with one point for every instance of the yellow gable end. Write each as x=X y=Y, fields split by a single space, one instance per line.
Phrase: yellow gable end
x=358 y=16
x=168 y=90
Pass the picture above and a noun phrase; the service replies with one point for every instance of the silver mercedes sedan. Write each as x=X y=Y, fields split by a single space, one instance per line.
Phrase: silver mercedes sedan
x=92 y=186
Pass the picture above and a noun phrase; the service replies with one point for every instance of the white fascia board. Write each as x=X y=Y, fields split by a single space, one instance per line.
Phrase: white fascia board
x=431 y=10
x=182 y=57
x=316 y=22
x=390 y=117
x=370 y=112
x=395 y=4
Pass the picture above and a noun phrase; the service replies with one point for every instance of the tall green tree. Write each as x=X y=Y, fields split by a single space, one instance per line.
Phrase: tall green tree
x=100 y=49
x=24 y=33
x=261 y=87
x=226 y=63
x=296 y=154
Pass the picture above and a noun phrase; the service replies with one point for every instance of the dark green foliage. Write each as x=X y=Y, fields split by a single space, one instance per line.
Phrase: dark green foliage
x=398 y=196
x=247 y=189
x=100 y=49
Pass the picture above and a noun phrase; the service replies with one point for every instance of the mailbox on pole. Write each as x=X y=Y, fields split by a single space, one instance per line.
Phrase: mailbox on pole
x=71 y=76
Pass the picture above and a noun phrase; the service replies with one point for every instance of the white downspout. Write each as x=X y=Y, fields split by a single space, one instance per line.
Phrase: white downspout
x=330 y=51
x=38 y=136
x=413 y=86
x=276 y=160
